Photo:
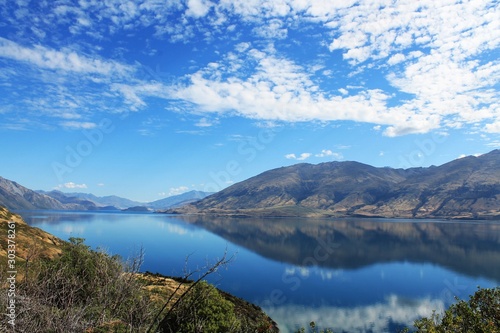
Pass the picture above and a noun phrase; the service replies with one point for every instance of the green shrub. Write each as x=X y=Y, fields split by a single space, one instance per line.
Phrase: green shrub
x=82 y=290
x=480 y=314
x=202 y=309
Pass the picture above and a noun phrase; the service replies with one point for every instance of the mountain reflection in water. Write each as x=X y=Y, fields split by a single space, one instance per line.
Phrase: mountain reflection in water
x=354 y=275
x=465 y=247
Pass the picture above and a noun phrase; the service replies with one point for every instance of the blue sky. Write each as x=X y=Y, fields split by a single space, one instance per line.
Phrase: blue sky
x=148 y=99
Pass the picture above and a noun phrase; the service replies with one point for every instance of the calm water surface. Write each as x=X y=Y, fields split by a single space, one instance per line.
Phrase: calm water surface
x=353 y=275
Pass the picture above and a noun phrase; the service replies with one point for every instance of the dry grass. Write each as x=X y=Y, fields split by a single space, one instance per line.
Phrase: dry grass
x=31 y=243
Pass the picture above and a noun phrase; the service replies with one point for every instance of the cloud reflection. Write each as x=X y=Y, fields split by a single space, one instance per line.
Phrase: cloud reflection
x=370 y=318
x=176 y=229
x=305 y=272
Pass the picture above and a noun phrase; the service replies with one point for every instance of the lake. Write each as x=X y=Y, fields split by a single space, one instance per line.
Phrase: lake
x=353 y=275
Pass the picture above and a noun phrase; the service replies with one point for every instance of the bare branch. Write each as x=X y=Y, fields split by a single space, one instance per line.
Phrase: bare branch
x=224 y=261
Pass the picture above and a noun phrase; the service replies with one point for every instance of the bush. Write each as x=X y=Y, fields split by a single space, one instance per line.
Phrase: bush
x=202 y=309
x=480 y=314
x=82 y=290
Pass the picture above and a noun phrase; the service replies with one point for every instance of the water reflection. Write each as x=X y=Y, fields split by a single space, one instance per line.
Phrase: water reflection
x=34 y=217
x=393 y=314
x=466 y=247
x=355 y=275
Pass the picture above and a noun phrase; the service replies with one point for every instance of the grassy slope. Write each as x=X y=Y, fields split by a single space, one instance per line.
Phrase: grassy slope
x=31 y=243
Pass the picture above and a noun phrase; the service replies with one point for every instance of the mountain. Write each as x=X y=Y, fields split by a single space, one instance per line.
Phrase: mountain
x=178 y=200
x=71 y=201
x=110 y=201
x=116 y=202
x=15 y=196
x=468 y=187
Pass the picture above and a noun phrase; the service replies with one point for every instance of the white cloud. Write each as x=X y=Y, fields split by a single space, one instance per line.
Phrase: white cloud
x=64 y=60
x=78 y=125
x=131 y=95
x=343 y=91
x=449 y=88
x=71 y=185
x=272 y=29
x=382 y=28
x=429 y=51
x=242 y=47
x=465 y=155
x=150 y=126
x=279 y=89
x=134 y=93
x=63 y=84
x=495 y=144
x=204 y=122
x=493 y=127
x=301 y=157
x=177 y=190
x=329 y=153
x=325 y=152
x=396 y=59
x=198 y=8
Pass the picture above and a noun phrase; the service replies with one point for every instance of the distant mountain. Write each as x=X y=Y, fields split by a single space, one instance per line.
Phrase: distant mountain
x=468 y=187
x=66 y=199
x=15 y=196
x=122 y=203
x=106 y=201
x=137 y=209
x=178 y=200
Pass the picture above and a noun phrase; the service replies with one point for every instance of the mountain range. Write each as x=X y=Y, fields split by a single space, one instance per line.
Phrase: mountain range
x=467 y=187
x=106 y=201
x=17 y=197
